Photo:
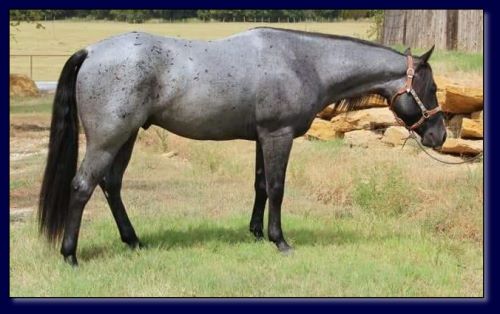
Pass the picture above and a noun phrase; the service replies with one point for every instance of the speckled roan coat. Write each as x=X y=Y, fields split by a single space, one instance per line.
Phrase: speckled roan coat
x=265 y=85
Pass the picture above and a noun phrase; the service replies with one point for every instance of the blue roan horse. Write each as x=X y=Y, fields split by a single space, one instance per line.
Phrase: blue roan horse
x=264 y=85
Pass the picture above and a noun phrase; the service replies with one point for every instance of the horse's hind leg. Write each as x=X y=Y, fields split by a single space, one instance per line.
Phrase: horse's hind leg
x=94 y=166
x=257 y=221
x=111 y=186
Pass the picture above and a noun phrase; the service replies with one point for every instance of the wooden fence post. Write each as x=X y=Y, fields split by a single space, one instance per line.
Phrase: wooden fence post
x=31 y=67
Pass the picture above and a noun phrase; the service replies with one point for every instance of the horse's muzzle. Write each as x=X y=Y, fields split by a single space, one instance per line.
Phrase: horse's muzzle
x=433 y=140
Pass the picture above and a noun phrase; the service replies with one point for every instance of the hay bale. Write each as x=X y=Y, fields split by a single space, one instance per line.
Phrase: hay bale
x=21 y=85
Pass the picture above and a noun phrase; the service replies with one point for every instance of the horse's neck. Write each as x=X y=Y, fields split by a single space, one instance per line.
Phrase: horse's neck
x=349 y=69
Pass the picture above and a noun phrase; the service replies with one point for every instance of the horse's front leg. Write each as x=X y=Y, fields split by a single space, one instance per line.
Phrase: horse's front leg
x=276 y=148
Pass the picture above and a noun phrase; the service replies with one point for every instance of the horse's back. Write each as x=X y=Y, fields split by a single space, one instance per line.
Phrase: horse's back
x=197 y=89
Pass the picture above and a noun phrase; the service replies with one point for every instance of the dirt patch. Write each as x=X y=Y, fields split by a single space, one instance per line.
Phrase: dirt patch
x=30 y=127
x=20 y=214
x=22 y=85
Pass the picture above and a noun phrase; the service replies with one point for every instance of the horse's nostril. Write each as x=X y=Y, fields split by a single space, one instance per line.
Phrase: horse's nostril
x=444 y=137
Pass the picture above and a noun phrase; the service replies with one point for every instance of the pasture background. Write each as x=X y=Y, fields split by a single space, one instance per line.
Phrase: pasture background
x=364 y=222
x=66 y=37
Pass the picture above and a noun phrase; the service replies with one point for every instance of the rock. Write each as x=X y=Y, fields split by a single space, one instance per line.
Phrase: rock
x=372 y=118
x=442 y=82
x=395 y=135
x=363 y=138
x=322 y=130
x=327 y=113
x=461 y=146
x=471 y=128
x=478 y=115
x=22 y=85
x=462 y=99
x=441 y=97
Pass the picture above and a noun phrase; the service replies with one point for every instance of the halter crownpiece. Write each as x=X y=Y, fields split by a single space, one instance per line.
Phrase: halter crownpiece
x=408 y=88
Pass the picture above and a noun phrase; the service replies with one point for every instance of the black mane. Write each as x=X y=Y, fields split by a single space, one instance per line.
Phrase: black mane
x=331 y=36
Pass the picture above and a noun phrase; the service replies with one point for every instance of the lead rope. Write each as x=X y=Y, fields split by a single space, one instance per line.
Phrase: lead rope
x=412 y=135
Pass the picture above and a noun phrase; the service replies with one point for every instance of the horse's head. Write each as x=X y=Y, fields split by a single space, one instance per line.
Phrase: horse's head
x=415 y=104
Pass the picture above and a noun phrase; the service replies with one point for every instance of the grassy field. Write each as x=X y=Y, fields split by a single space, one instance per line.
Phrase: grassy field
x=66 y=37
x=364 y=222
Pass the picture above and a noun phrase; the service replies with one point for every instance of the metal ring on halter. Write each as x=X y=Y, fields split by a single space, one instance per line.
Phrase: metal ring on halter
x=410 y=72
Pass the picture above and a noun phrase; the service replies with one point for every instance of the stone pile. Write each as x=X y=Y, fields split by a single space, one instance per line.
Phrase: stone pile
x=373 y=124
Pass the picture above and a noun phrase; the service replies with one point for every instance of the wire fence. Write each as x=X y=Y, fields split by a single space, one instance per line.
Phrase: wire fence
x=38 y=66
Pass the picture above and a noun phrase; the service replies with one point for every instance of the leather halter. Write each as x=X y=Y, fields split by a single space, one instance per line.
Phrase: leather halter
x=408 y=88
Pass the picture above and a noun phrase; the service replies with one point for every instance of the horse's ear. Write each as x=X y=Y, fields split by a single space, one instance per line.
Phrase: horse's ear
x=407 y=52
x=425 y=57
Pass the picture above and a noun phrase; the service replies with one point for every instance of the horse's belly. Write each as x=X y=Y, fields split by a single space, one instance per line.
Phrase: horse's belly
x=202 y=124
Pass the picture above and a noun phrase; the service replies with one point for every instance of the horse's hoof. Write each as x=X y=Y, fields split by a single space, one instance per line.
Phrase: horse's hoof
x=135 y=245
x=258 y=233
x=284 y=248
x=71 y=260
x=259 y=238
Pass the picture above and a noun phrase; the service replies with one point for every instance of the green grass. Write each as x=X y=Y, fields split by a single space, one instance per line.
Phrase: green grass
x=448 y=61
x=197 y=257
x=380 y=191
x=364 y=222
x=31 y=104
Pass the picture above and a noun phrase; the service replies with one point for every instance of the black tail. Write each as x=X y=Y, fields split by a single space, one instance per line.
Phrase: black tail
x=63 y=152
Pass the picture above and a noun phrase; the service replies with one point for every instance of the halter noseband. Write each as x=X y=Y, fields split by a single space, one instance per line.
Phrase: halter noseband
x=426 y=114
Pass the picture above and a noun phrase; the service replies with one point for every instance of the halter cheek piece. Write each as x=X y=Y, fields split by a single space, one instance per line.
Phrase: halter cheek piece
x=426 y=114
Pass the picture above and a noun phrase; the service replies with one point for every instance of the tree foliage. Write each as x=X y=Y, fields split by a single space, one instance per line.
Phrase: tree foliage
x=139 y=16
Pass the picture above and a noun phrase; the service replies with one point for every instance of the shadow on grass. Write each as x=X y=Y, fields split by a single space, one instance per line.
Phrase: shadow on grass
x=202 y=234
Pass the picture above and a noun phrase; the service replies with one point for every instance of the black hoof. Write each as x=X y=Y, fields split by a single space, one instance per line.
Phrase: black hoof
x=258 y=233
x=134 y=245
x=284 y=248
x=71 y=259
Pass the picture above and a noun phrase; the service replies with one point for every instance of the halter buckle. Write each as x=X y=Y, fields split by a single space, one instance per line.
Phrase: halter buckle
x=426 y=114
x=410 y=72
